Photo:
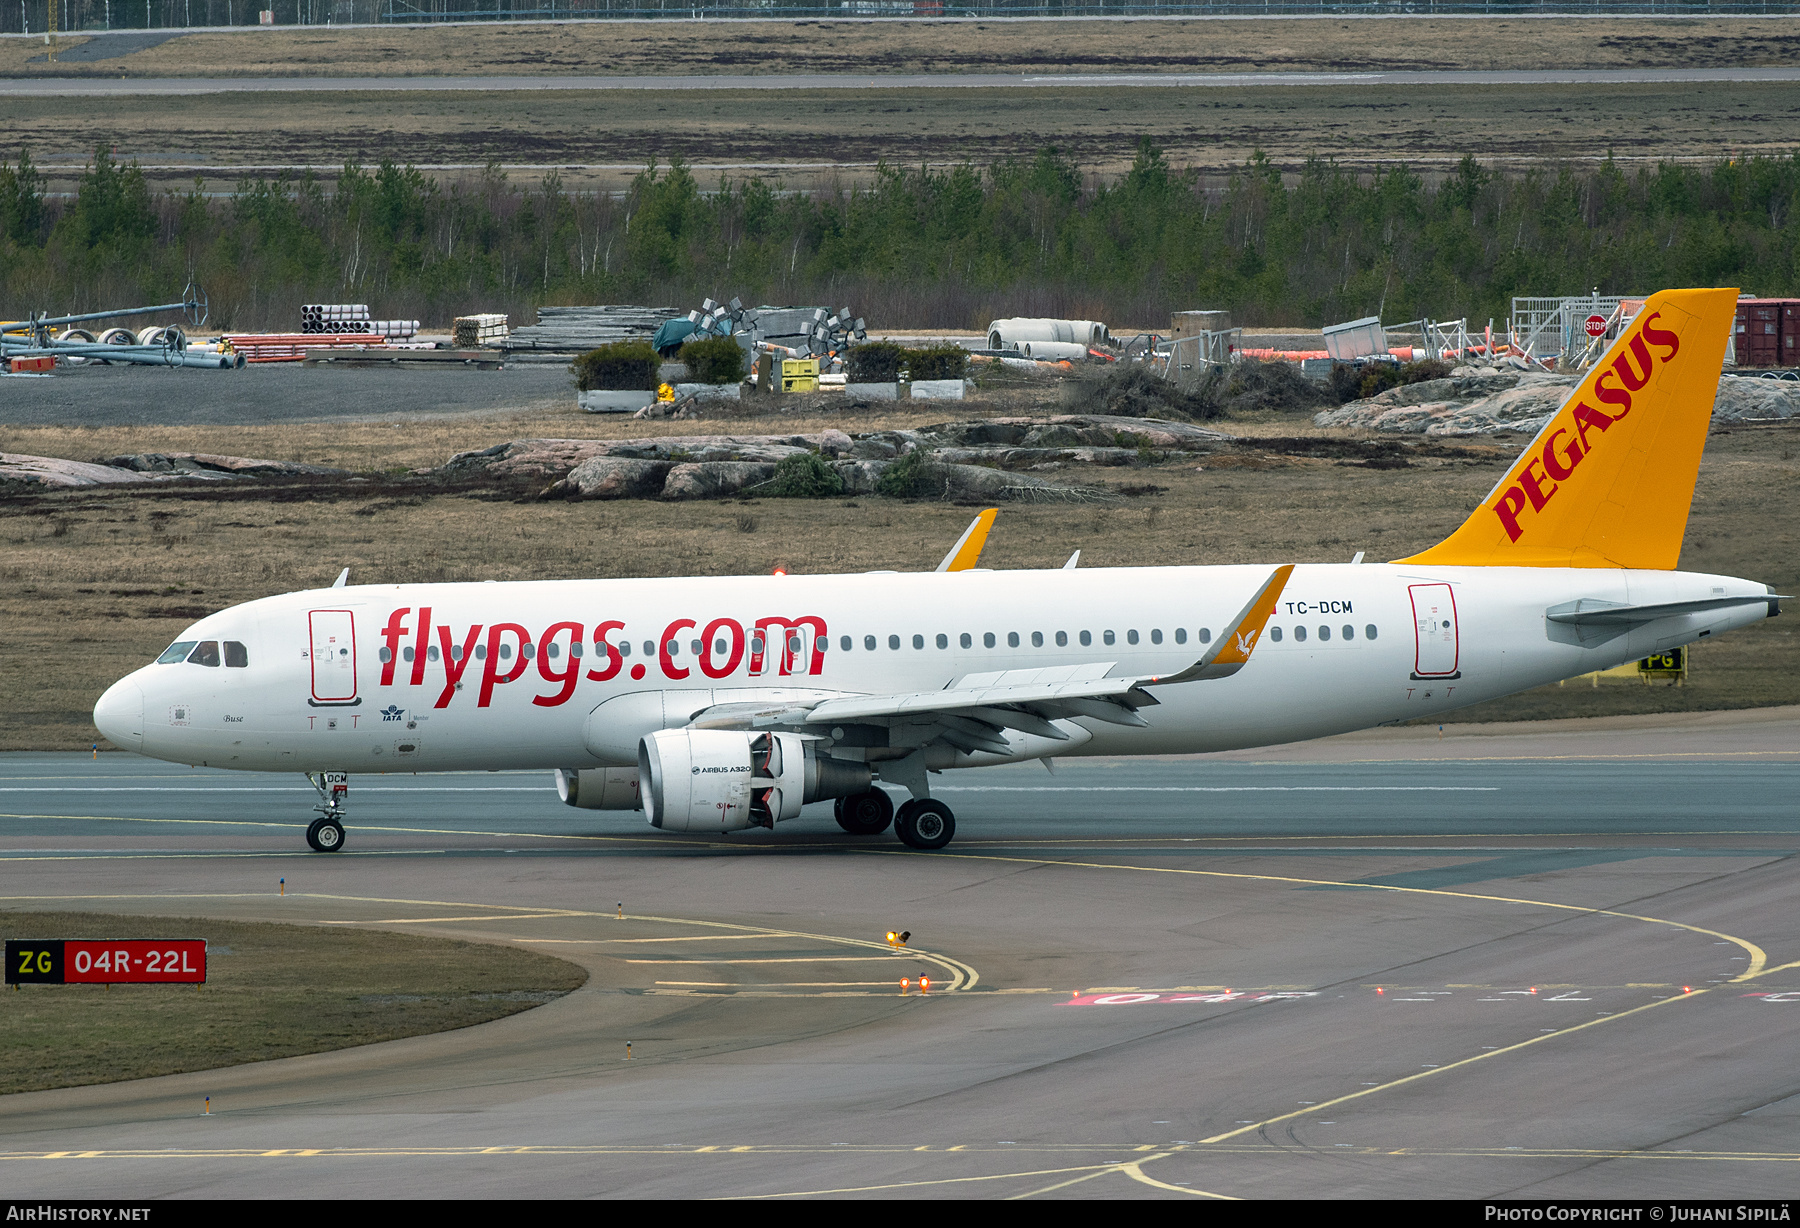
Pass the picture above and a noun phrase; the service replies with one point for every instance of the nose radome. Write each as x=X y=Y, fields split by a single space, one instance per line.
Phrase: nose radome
x=119 y=715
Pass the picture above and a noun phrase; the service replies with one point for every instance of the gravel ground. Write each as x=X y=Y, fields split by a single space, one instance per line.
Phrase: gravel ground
x=273 y=392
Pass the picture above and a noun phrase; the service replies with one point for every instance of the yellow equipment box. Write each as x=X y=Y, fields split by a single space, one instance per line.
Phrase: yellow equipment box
x=799 y=375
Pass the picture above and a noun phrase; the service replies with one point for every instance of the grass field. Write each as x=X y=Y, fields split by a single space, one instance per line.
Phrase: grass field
x=271 y=991
x=95 y=584
x=808 y=138
x=1098 y=45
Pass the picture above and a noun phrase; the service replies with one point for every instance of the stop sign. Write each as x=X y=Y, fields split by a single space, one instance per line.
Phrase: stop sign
x=1595 y=325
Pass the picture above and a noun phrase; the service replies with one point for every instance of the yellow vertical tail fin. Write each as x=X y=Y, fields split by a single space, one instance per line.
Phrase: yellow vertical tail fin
x=1609 y=480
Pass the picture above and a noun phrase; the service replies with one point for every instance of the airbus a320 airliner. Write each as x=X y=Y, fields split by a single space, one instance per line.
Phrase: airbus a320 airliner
x=722 y=703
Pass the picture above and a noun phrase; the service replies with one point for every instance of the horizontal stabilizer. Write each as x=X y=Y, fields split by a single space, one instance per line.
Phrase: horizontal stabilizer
x=1590 y=611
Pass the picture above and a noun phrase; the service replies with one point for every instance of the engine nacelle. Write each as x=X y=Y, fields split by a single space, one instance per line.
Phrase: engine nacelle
x=599 y=788
x=725 y=780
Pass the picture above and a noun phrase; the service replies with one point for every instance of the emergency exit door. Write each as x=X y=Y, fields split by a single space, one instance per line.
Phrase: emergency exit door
x=1434 y=626
x=333 y=656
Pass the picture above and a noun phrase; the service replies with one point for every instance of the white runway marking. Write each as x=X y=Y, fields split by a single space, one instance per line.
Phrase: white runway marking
x=1216 y=789
x=271 y=789
x=939 y=789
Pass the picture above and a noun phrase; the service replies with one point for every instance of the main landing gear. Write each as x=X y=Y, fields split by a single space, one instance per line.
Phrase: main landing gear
x=920 y=823
x=865 y=814
x=924 y=823
x=326 y=833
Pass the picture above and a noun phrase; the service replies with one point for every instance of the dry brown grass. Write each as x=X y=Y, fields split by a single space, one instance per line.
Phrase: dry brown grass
x=598 y=139
x=94 y=584
x=1100 y=45
x=272 y=991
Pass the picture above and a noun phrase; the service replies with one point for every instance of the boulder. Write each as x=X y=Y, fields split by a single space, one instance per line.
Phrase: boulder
x=613 y=477
x=860 y=476
x=714 y=479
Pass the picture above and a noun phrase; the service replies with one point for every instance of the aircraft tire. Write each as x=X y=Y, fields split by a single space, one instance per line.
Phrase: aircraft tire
x=325 y=835
x=867 y=813
x=925 y=824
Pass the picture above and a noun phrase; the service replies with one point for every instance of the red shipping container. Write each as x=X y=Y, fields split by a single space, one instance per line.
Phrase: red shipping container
x=1761 y=325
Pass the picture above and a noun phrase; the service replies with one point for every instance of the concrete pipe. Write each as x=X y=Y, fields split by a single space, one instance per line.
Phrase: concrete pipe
x=75 y=334
x=1012 y=334
x=1053 y=350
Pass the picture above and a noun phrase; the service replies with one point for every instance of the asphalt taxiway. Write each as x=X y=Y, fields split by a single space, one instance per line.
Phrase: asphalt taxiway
x=1535 y=961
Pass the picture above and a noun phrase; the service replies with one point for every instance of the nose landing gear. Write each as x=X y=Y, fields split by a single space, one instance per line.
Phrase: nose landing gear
x=326 y=833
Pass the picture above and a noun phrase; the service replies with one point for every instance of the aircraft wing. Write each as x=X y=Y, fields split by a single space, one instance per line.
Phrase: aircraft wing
x=973 y=712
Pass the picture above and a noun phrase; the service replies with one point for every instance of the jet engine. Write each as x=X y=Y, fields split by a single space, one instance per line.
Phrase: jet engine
x=723 y=780
x=599 y=788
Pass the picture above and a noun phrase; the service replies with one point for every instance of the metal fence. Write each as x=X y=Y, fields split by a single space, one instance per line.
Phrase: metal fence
x=88 y=16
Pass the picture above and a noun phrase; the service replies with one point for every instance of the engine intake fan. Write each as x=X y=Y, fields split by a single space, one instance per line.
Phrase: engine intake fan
x=719 y=780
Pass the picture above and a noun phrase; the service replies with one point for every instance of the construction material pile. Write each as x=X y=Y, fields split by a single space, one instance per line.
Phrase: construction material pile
x=477 y=331
x=575 y=330
x=353 y=318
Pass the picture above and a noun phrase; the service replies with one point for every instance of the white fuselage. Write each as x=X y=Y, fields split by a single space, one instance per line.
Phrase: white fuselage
x=1381 y=643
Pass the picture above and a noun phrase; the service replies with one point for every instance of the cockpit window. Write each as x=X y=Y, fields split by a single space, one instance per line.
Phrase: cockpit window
x=205 y=653
x=176 y=652
x=237 y=656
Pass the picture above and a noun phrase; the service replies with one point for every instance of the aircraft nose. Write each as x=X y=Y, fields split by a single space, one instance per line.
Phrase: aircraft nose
x=119 y=715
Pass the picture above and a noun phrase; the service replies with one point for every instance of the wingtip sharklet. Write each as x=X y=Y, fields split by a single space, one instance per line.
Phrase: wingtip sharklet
x=1231 y=652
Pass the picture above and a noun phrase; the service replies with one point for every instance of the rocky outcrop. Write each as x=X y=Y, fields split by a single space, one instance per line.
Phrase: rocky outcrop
x=1747 y=398
x=55 y=473
x=1429 y=408
x=211 y=465
x=612 y=477
x=714 y=479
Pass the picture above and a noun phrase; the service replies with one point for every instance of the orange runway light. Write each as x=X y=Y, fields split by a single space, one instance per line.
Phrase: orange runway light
x=905 y=984
x=924 y=984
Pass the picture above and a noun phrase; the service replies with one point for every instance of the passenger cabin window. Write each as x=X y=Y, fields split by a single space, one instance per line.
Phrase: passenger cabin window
x=176 y=652
x=893 y=643
x=1012 y=639
x=1062 y=639
x=965 y=641
x=1349 y=632
x=869 y=643
x=1275 y=634
x=943 y=641
x=1324 y=633
x=1300 y=635
x=1156 y=635
x=206 y=652
x=1087 y=638
x=1369 y=631
x=987 y=639
x=918 y=641
x=1180 y=635
x=1131 y=637
x=1037 y=639
x=1205 y=634
x=431 y=653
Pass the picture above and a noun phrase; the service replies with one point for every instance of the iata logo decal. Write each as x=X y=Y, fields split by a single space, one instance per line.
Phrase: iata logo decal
x=1579 y=427
x=392 y=712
